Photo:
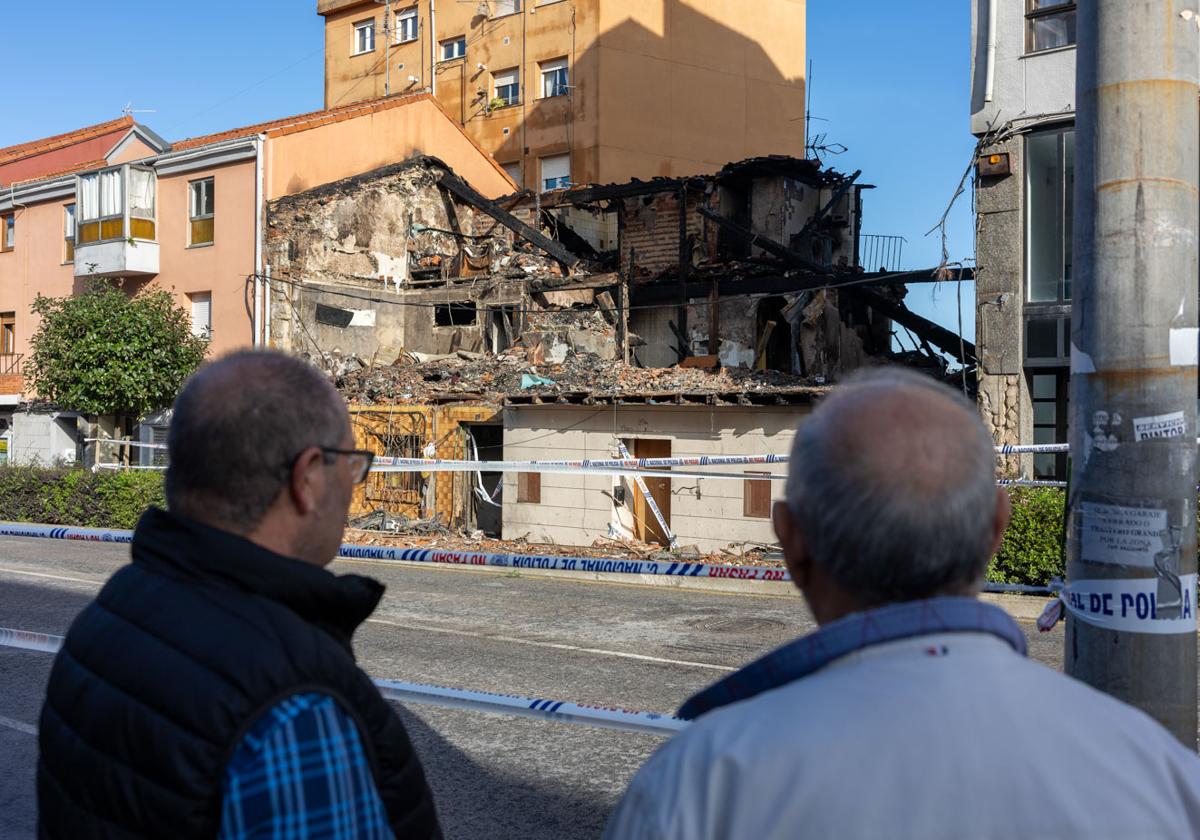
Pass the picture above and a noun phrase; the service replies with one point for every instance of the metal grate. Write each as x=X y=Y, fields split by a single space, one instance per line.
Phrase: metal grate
x=394 y=434
x=880 y=253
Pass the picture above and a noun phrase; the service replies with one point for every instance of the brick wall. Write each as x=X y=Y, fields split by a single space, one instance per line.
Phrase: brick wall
x=11 y=383
x=652 y=230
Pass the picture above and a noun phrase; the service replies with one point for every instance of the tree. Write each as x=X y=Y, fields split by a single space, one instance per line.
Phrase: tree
x=104 y=352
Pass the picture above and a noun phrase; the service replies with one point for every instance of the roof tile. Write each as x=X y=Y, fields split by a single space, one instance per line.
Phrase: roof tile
x=9 y=154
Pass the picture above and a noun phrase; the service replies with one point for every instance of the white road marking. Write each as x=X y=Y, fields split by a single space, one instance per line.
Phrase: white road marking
x=424 y=628
x=92 y=581
x=17 y=725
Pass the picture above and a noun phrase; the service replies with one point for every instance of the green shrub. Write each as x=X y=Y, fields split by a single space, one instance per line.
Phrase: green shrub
x=1032 y=549
x=62 y=496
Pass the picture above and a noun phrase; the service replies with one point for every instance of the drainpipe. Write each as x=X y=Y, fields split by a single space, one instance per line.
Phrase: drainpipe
x=990 y=69
x=267 y=306
x=433 y=47
x=259 y=210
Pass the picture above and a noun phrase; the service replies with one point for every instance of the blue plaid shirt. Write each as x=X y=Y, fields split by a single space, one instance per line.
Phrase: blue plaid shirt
x=300 y=772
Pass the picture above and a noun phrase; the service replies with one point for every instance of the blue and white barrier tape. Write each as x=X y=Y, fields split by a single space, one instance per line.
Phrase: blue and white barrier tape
x=606 y=717
x=586 y=565
x=410 y=466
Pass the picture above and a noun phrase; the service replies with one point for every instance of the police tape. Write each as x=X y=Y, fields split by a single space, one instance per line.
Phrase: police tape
x=413 y=465
x=120 y=442
x=561 y=711
x=1152 y=605
x=578 y=565
x=1029 y=482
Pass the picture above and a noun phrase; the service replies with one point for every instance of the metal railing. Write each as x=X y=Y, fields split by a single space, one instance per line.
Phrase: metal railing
x=880 y=253
x=10 y=363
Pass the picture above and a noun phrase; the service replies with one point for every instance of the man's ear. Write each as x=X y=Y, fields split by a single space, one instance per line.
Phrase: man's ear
x=791 y=539
x=307 y=479
x=1000 y=517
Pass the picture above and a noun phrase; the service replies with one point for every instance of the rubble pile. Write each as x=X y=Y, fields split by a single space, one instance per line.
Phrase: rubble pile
x=416 y=379
x=737 y=554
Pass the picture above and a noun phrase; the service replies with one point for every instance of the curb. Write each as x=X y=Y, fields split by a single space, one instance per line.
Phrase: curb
x=1020 y=607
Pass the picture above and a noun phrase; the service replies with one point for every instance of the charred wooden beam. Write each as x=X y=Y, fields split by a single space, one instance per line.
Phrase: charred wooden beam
x=464 y=191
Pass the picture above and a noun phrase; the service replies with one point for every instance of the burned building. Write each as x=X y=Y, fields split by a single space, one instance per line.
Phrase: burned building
x=686 y=316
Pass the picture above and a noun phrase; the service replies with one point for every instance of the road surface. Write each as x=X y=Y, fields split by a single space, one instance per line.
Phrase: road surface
x=493 y=776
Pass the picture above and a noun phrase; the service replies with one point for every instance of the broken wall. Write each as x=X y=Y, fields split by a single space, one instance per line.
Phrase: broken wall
x=651 y=232
x=388 y=261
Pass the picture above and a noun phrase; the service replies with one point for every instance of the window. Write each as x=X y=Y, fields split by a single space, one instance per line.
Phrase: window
x=1049 y=24
x=756 y=498
x=69 y=233
x=406 y=26
x=514 y=171
x=454 y=48
x=454 y=314
x=529 y=488
x=507 y=89
x=554 y=78
x=1050 y=187
x=364 y=36
x=556 y=172
x=8 y=333
x=200 y=211
x=506 y=7
x=201 y=313
x=8 y=239
x=115 y=204
x=1049 y=395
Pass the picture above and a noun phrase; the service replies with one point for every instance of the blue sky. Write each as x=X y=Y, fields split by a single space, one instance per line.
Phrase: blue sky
x=889 y=82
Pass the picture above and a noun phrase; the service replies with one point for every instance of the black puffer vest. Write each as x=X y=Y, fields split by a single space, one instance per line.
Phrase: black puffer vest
x=180 y=653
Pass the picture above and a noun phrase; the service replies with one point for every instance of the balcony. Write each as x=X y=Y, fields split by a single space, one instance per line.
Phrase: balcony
x=115 y=231
x=12 y=383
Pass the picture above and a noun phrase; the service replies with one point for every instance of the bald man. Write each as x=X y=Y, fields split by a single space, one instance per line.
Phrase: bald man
x=210 y=690
x=912 y=712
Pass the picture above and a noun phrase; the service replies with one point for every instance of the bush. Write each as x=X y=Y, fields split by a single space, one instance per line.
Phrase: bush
x=62 y=496
x=1032 y=549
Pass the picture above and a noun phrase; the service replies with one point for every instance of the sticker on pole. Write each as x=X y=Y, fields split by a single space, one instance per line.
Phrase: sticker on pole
x=1134 y=606
x=1171 y=425
x=1126 y=536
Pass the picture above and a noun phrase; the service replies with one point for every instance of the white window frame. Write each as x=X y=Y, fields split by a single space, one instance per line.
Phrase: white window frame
x=453 y=48
x=8 y=230
x=68 y=232
x=360 y=27
x=509 y=7
x=510 y=97
x=558 y=182
x=201 y=302
x=407 y=19
x=206 y=189
x=514 y=171
x=551 y=71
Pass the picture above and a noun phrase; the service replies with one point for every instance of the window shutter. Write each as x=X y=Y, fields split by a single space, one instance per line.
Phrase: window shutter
x=756 y=498
x=529 y=488
x=202 y=313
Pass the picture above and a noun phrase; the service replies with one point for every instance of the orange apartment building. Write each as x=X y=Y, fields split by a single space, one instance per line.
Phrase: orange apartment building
x=586 y=91
x=117 y=201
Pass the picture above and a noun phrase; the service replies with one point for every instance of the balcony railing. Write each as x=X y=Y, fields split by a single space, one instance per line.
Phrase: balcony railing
x=880 y=253
x=10 y=364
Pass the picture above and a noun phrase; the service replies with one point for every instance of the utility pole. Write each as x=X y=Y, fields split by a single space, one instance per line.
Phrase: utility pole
x=1131 y=547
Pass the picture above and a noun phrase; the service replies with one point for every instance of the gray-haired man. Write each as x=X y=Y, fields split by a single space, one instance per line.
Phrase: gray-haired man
x=913 y=711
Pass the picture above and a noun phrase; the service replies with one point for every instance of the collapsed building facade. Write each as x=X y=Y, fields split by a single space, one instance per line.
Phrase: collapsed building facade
x=672 y=317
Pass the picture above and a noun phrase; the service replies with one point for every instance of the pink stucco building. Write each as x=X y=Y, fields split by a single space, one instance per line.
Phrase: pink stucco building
x=115 y=200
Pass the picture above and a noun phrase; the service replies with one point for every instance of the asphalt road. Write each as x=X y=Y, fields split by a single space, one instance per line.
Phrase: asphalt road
x=493 y=776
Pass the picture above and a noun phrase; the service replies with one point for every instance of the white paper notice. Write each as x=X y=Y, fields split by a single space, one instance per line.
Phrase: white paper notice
x=1184 y=345
x=1124 y=535
x=1159 y=426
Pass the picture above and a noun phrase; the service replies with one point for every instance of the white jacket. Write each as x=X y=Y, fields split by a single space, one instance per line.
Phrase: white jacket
x=951 y=735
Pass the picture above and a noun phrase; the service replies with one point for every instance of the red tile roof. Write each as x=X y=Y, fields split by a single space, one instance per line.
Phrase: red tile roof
x=67 y=170
x=303 y=122
x=61 y=141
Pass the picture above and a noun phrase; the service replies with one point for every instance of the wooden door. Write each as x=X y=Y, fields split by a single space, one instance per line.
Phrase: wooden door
x=646 y=524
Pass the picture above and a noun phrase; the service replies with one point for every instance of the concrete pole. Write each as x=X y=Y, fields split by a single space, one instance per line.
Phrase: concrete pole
x=1131 y=547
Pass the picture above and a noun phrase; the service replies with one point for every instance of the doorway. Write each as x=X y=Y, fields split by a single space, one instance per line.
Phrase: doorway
x=487 y=441
x=773 y=350
x=646 y=525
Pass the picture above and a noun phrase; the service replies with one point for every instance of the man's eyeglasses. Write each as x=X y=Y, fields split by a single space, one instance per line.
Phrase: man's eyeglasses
x=360 y=461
